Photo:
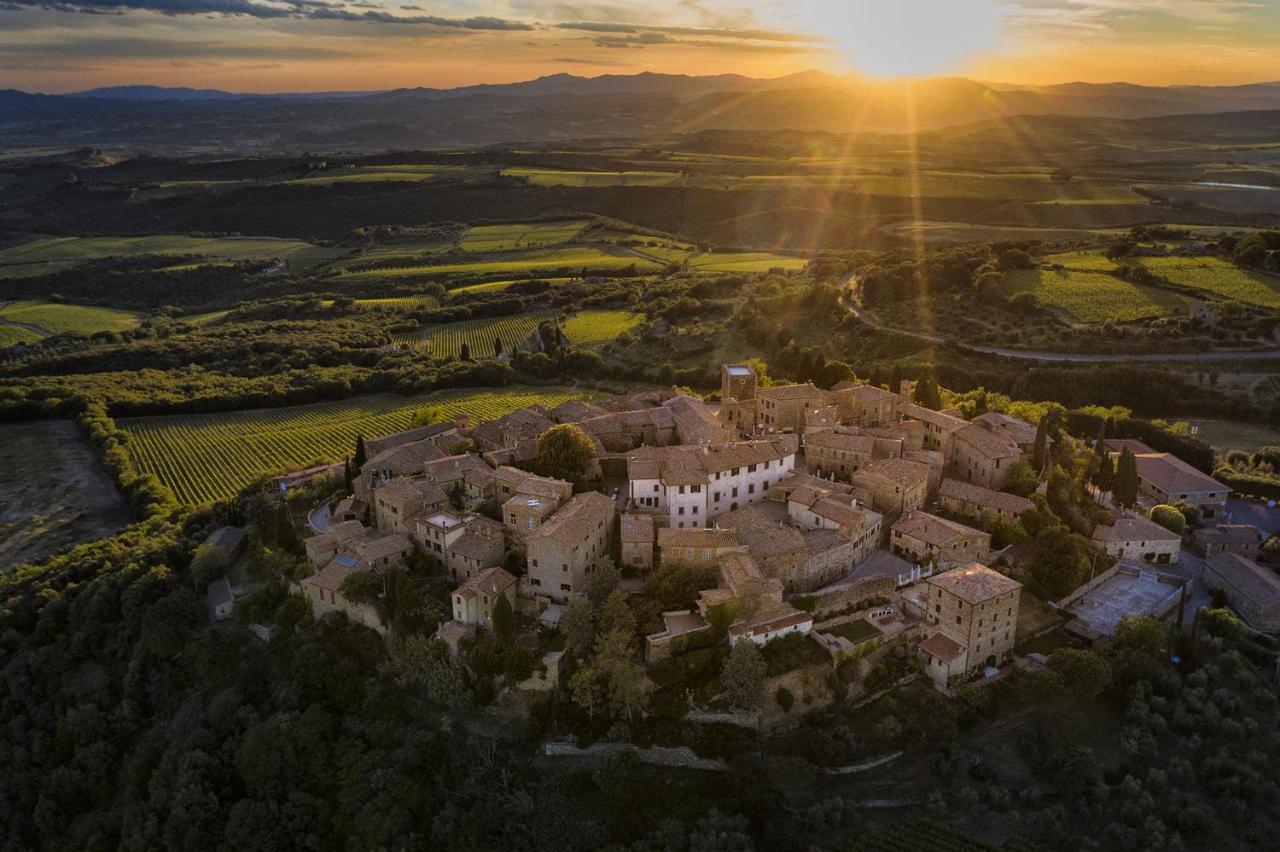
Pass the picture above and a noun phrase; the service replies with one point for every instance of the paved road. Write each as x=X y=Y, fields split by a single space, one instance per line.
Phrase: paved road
x=847 y=301
x=1253 y=512
x=318 y=518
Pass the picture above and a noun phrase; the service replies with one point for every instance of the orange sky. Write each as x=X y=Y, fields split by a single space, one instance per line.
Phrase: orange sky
x=314 y=45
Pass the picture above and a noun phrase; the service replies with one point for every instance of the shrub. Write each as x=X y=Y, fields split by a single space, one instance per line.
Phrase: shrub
x=1169 y=517
x=785 y=699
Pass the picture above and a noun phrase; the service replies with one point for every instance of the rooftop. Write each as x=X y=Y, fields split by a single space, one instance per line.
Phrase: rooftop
x=1172 y=475
x=942 y=647
x=931 y=528
x=739 y=370
x=984 y=497
x=1259 y=584
x=576 y=519
x=637 y=529
x=974 y=583
x=1134 y=528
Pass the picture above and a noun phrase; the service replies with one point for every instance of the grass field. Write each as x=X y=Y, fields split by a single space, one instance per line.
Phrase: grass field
x=416 y=172
x=50 y=253
x=205 y=457
x=535 y=260
x=63 y=319
x=594 y=328
x=12 y=335
x=1092 y=296
x=1217 y=277
x=1225 y=435
x=203 y=319
x=444 y=340
x=521 y=235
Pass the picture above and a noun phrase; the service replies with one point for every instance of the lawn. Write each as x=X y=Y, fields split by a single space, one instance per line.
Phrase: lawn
x=577 y=258
x=521 y=235
x=1216 y=277
x=594 y=328
x=205 y=457
x=856 y=631
x=368 y=174
x=479 y=335
x=12 y=335
x=1225 y=435
x=1092 y=297
x=203 y=319
x=50 y=253
x=68 y=319
x=565 y=177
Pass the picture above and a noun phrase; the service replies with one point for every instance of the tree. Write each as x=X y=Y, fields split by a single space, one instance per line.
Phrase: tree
x=497 y=347
x=1169 y=517
x=1038 y=454
x=348 y=483
x=601 y=582
x=1104 y=476
x=565 y=452
x=1100 y=443
x=1023 y=479
x=210 y=563
x=424 y=662
x=360 y=456
x=504 y=620
x=578 y=626
x=616 y=615
x=1085 y=674
x=743 y=676
x=465 y=353
x=927 y=394
x=1124 y=487
x=286 y=531
x=761 y=369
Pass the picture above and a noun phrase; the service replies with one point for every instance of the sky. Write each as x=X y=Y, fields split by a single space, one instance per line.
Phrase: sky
x=347 y=45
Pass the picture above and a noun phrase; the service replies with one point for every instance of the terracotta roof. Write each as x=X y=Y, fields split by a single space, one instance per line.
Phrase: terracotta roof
x=974 y=583
x=988 y=443
x=523 y=482
x=840 y=512
x=387 y=545
x=491 y=581
x=637 y=529
x=685 y=465
x=330 y=577
x=933 y=458
x=942 y=647
x=932 y=529
x=1019 y=431
x=780 y=392
x=899 y=471
x=1257 y=583
x=374 y=446
x=706 y=537
x=834 y=440
x=406 y=489
x=1172 y=475
x=1135 y=446
x=1134 y=528
x=771 y=623
x=482 y=540
x=864 y=393
x=945 y=422
x=763 y=536
x=985 y=497
x=1229 y=533
x=451 y=469
x=576 y=519
x=403 y=459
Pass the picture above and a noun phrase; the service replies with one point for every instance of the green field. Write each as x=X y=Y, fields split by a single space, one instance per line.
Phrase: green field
x=1092 y=296
x=205 y=457
x=1216 y=277
x=64 y=319
x=445 y=340
x=593 y=328
x=535 y=260
x=1224 y=435
x=12 y=335
x=49 y=254
x=521 y=235
x=498 y=286
x=567 y=177
x=750 y=261
x=203 y=319
x=1088 y=261
x=367 y=174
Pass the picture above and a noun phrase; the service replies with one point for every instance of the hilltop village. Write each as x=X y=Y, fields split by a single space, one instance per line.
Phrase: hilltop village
x=849 y=523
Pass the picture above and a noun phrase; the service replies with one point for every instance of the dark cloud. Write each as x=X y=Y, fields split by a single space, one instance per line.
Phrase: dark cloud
x=128 y=47
x=698 y=32
x=313 y=9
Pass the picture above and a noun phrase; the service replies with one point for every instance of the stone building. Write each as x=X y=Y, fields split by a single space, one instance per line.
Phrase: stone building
x=1252 y=590
x=1240 y=539
x=983 y=457
x=475 y=599
x=1134 y=538
x=834 y=451
x=782 y=408
x=696 y=548
x=978 y=503
x=971 y=621
x=895 y=485
x=637 y=534
x=930 y=540
x=563 y=551
x=866 y=405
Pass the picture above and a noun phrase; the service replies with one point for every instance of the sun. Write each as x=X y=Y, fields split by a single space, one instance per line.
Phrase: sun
x=897 y=38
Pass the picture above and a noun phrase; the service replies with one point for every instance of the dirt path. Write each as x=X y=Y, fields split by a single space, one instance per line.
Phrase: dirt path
x=34 y=329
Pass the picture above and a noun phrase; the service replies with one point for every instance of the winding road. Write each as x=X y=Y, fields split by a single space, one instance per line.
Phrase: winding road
x=846 y=300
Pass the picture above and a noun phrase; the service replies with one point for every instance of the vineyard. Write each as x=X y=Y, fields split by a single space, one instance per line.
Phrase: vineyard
x=478 y=335
x=919 y=836
x=752 y=261
x=569 y=258
x=593 y=328
x=205 y=457
x=1216 y=277
x=1092 y=296
x=521 y=235
x=43 y=255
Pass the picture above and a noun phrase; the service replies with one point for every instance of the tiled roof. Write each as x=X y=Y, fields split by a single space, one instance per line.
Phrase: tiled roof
x=346 y=530
x=491 y=581
x=834 y=440
x=454 y=468
x=784 y=392
x=1230 y=533
x=373 y=446
x=706 y=537
x=988 y=443
x=524 y=482
x=974 y=583
x=771 y=623
x=403 y=459
x=1172 y=475
x=576 y=519
x=984 y=497
x=931 y=528
x=1020 y=431
x=1257 y=583
x=1134 y=528
x=387 y=545
x=482 y=540
x=685 y=465
x=840 y=512
x=637 y=529
x=945 y=422
x=899 y=471
x=942 y=647
x=762 y=535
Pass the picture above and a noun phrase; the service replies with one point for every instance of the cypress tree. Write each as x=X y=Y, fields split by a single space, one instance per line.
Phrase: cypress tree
x=1038 y=450
x=465 y=354
x=361 y=457
x=346 y=474
x=1124 y=487
x=286 y=533
x=497 y=347
x=1100 y=443
x=1104 y=476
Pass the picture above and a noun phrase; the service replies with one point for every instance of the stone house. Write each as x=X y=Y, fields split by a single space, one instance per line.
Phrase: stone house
x=763 y=615
x=692 y=485
x=323 y=591
x=782 y=408
x=1134 y=538
x=563 y=551
x=695 y=548
x=481 y=546
x=931 y=540
x=521 y=515
x=938 y=426
x=637 y=534
x=1165 y=478
x=983 y=457
x=220 y=600
x=395 y=461
x=510 y=481
x=398 y=502
x=803 y=560
x=933 y=463
x=867 y=405
x=971 y=621
x=895 y=485
x=834 y=451
x=322 y=548
x=978 y=503
x=1240 y=539
x=475 y=599
x=1252 y=590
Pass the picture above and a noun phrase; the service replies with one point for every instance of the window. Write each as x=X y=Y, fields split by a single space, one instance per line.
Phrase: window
x=695 y=510
x=695 y=489
x=959 y=619
x=564 y=587
x=680 y=511
x=655 y=488
x=535 y=581
x=751 y=488
x=535 y=563
x=681 y=489
x=529 y=524
x=706 y=553
x=564 y=568
x=735 y=491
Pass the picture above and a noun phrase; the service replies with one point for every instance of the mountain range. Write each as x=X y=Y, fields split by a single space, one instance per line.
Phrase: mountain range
x=565 y=107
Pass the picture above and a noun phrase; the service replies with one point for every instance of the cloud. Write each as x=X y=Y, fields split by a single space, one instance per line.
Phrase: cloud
x=312 y=9
x=700 y=32
x=132 y=47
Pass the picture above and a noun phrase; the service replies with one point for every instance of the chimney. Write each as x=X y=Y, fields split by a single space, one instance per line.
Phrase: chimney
x=461 y=421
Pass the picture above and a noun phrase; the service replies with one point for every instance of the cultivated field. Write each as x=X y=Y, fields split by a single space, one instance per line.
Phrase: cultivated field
x=48 y=254
x=1092 y=296
x=46 y=318
x=753 y=261
x=521 y=235
x=478 y=335
x=414 y=172
x=1215 y=276
x=573 y=258
x=12 y=335
x=205 y=457
x=53 y=492
x=496 y=286
x=594 y=328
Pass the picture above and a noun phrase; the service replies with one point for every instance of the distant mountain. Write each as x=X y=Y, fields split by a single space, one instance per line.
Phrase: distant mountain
x=566 y=106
